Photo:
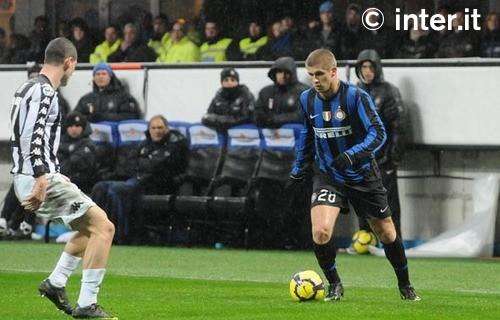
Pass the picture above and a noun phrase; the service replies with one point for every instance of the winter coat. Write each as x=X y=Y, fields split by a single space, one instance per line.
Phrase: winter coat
x=137 y=52
x=77 y=159
x=112 y=103
x=160 y=163
x=389 y=107
x=229 y=107
x=278 y=105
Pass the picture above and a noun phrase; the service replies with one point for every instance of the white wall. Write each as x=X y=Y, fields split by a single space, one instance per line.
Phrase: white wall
x=448 y=105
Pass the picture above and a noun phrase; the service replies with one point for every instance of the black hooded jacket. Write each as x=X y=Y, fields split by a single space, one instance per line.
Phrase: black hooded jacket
x=113 y=103
x=389 y=106
x=278 y=105
x=77 y=159
x=229 y=107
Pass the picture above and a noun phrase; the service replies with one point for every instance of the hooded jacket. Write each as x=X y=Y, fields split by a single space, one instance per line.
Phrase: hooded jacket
x=229 y=107
x=112 y=103
x=77 y=159
x=278 y=105
x=388 y=105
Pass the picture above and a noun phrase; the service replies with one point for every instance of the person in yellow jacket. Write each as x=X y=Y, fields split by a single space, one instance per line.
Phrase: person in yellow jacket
x=107 y=47
x=179 y=48
x=255 y=40
x=217 y=48
x=160 y=33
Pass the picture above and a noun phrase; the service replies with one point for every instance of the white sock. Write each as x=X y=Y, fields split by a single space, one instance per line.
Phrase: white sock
x=91 y=280
x=64 y=268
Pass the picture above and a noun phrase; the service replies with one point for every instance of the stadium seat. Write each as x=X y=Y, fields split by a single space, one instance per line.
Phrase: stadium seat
x=105 y=137
x=180 y=126
x=130 y=133
x=206 y=156
x=232 y=202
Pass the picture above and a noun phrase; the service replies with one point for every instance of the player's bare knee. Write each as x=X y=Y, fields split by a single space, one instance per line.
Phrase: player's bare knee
x=321 y=235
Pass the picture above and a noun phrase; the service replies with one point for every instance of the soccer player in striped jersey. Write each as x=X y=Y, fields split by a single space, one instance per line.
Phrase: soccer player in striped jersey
x=35 y=133
x=342 y=131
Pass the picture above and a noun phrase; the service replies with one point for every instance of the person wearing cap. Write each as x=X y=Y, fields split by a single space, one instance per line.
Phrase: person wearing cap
x=327 y=34
x=217 y=48
x=178 y=47
x=232 y=104
x=108 y=101
x=77 y=153
x=255 y=40
x=110 y=44
x=278 y=103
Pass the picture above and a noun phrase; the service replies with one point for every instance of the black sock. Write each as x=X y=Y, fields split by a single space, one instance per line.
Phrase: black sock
x=326 y=254
x=395 y=253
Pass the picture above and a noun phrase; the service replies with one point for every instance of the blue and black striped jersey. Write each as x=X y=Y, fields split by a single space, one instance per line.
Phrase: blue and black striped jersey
x=345 y=123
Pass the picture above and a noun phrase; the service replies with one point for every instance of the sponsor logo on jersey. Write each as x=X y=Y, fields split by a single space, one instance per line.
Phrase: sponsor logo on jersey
x=46 y=100
x=325 y=133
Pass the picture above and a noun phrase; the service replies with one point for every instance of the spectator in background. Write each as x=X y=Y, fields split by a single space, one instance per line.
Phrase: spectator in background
x=158 y=162
x=351 y=32
x=18 y=50
x=438 y=36
x=39 y=38
x=278 y=103
x=383 y=40
x=255 y=40
x=147 y=29
x=63 y=29
x=389 y=107
x=76 y=152
x=217 y=48
x=109 y=100
x=232 y=104
x=279 y=44
x=417 y=44
x=132 y=49
x=178 y=47
x=3 y=43
x=490 y=38
x=160 y=34
x=458 y=43
x=327 y=34
x=110 y=44
x=82 y=40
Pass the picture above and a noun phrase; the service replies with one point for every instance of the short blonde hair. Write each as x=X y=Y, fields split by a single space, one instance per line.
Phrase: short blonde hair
x=322 y=58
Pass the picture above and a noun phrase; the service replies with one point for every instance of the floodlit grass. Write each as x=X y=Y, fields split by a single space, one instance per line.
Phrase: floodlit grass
x=178 y=283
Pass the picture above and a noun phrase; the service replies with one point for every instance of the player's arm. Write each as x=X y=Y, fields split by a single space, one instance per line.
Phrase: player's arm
x=36 y=118
x=304 y=147
x=375 y=130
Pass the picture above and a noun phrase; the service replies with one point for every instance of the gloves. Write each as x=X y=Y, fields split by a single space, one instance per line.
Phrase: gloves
x=342 y=162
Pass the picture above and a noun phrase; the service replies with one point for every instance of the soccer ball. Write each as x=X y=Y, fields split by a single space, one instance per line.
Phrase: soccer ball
x=307 y=285
x=361 y=240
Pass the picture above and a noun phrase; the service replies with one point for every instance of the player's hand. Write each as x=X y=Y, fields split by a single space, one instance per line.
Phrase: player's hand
x=38 y=194
x=342 y=161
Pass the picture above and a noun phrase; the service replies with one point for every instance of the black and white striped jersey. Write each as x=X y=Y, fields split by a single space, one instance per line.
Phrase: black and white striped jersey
x=35 y=128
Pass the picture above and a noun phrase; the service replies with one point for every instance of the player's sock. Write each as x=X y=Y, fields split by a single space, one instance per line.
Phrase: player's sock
x=395 y=253
x=91 y=281
x=326 y=254
x=63 y=270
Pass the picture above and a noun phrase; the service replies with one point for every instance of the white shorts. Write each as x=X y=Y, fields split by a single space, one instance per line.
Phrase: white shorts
x=63 y=202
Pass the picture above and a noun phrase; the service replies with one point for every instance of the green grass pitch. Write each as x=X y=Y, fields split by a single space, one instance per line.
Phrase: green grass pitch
x=179 y=283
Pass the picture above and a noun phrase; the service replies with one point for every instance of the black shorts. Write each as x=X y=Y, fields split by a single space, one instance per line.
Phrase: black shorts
x=367 y=198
